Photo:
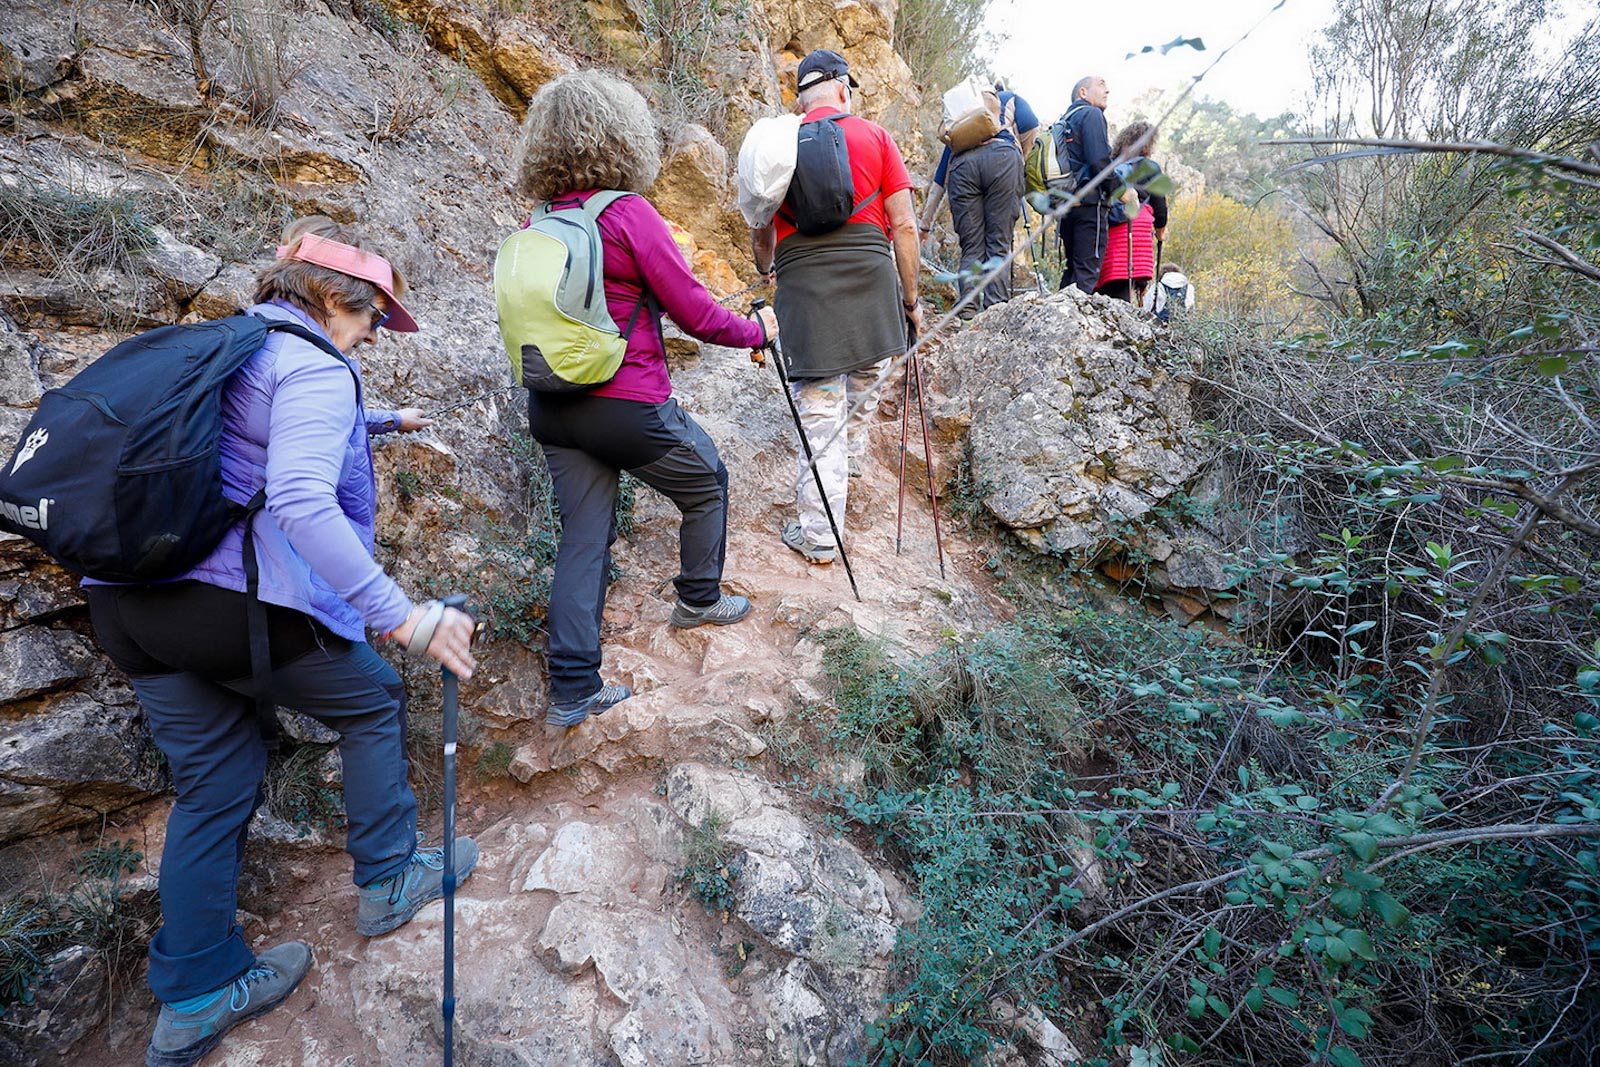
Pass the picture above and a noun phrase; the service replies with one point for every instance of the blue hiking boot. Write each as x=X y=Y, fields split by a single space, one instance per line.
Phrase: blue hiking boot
x=389 y=903
x=572 y=712
x=188 y=1029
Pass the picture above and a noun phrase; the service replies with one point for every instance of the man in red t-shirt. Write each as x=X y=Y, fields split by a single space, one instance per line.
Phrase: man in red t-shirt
x=843 y=300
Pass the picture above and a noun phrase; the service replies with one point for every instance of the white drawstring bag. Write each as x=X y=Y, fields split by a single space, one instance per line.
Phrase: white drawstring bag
x=766 y=165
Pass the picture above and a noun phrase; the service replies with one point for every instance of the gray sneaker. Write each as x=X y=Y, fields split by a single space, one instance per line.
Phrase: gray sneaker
x=572 y=712
x=727 y=610
x=188 y=1029
x=390 y=903
x=795 y=539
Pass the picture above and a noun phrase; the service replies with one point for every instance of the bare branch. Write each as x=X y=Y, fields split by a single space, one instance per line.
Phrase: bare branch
x=1568 y=257
x=1491 y=148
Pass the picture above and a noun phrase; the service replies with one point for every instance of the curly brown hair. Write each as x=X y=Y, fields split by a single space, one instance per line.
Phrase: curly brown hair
x=1129 y=136
x=312 y=288
x=588 y=130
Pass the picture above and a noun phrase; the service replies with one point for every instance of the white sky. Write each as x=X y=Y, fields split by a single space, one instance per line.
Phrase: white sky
x=1053 y=43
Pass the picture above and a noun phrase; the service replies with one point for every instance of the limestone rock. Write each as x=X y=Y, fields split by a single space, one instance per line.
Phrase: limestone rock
x=643 y=964
x=806 y=894
x=71 y=764
x=35 y=660
x=185 y=269
x=1073 y=427
x=19 y=369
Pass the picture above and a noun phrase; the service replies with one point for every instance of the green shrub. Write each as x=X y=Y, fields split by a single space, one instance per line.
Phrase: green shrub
x=711 y=865
x=1174 y=845
x=68 y=231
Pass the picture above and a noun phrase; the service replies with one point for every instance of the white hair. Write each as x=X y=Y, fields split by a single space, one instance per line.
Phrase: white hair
x=827 y=91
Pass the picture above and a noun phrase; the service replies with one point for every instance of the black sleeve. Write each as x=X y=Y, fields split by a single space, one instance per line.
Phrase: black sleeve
x=1096 y=145
x=1159 y=205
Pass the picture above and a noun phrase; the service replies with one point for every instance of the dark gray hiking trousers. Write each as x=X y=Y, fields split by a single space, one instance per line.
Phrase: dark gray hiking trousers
x=588 y=441
x=986 y=185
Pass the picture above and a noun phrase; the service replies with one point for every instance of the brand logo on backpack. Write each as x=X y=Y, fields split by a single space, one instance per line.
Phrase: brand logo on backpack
x=36 y=440
x=28 y=518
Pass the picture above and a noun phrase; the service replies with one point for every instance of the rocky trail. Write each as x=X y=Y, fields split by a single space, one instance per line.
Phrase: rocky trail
x=577 y=941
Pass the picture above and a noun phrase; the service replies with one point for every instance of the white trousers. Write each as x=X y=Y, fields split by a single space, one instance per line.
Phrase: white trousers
x=823 y=403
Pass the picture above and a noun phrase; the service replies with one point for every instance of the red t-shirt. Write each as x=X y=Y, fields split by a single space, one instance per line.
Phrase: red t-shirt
x=875 y=164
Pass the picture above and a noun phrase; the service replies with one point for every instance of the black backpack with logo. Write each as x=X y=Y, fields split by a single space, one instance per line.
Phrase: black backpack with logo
x=118 y=476
x=822 y=193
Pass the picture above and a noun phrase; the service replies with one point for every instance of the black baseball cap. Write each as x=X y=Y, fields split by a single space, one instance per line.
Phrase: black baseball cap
x=820 y=66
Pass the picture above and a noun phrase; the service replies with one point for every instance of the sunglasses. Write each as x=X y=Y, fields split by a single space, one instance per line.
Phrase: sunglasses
x=379 y=316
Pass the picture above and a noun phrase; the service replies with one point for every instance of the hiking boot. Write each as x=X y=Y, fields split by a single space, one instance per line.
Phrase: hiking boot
x=188 y=1029
x=728 y=609
x=818 y=554
x=601 y=700
x=390 y=903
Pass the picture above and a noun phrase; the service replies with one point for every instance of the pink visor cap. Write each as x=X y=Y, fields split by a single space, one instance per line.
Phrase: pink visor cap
x=358 y=263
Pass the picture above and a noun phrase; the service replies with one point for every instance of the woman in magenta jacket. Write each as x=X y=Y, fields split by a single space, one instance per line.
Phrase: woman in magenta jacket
x=583 y=133
x=1130 y=259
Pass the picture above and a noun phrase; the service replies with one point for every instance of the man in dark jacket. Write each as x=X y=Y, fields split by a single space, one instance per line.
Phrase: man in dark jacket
x=1083 y=228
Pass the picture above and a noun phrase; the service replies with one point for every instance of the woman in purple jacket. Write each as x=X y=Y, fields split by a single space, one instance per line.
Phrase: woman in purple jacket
x=583 y=133
x=294 y=424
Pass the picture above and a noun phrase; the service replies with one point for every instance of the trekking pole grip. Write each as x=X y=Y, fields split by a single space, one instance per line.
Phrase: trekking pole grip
x=758 y=356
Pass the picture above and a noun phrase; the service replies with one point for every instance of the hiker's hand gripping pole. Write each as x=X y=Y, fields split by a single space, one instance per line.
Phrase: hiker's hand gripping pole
x=805 y=443
x=758 y=356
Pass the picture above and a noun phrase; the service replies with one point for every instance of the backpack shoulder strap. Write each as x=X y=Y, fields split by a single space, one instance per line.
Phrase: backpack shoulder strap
x=604 y=199
x=294 y=329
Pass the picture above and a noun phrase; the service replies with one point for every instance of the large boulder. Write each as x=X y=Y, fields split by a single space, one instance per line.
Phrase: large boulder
x=1073 y=423
x=810 y=896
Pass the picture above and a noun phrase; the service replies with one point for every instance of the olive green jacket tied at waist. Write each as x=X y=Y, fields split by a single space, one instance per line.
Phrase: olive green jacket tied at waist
x=839 y=304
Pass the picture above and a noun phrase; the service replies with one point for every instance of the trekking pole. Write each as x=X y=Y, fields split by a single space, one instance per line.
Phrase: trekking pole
x=915 y=367
x=905 y=427
x=452 y=716
x=1033 y=250
x=805 y=443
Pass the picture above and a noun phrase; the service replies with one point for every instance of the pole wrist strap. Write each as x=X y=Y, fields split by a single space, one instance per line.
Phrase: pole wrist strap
x=422 y=636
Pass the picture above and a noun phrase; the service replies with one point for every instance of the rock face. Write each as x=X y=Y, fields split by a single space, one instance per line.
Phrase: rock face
x=1072 y=423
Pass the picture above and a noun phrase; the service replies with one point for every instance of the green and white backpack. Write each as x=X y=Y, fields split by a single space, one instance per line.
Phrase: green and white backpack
x=550 y=292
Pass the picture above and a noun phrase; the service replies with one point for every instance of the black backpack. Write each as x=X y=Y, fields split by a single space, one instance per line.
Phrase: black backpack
x=1069 y=150
x=822 y=193
x=118 y=474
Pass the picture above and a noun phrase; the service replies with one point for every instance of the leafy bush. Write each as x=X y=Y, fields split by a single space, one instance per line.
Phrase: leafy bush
x=711 y=865
x=1193 y=861
x=1241 y=259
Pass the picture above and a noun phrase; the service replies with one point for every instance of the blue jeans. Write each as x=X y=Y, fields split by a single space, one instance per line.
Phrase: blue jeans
x=183 y=646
